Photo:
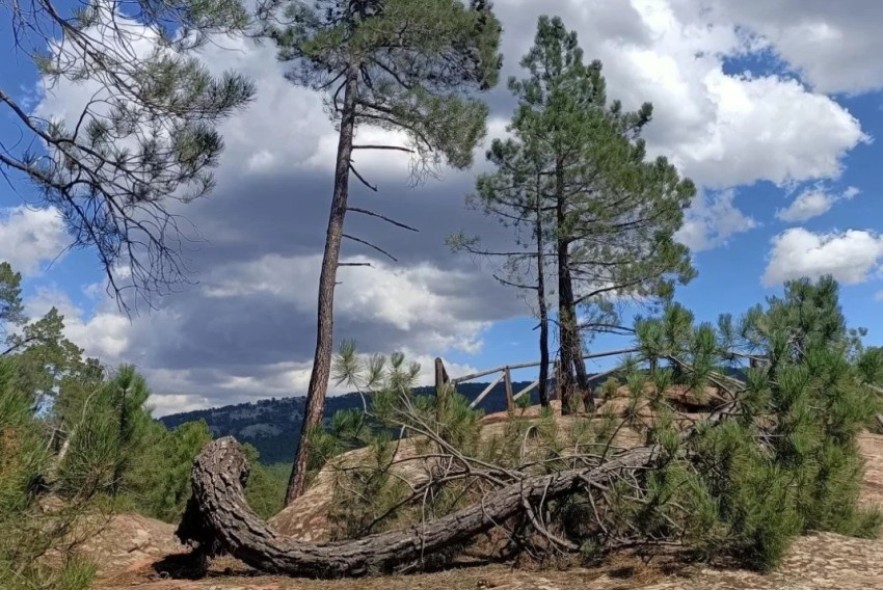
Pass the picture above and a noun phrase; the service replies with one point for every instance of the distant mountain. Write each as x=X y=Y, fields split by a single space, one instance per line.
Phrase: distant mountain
x=272 y=425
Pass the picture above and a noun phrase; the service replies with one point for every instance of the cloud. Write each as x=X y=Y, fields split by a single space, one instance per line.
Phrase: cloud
x=768 y=129
x=30 y=237
x=850 y=256
x=721 y=129
x=712 y=220
x=250 y=335
x=246 y=328
x=278 y=383
x=813 y=203
x=105 y=335
x=835 y=46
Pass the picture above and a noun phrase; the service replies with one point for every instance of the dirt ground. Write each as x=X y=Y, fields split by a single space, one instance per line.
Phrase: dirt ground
x=815 y=562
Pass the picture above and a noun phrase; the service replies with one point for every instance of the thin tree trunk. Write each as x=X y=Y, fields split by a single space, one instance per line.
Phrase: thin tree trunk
x=541 y=302
x=582 y=376
x=565 y=337
x=218 y=518
x=565 y=296
x=315 y=405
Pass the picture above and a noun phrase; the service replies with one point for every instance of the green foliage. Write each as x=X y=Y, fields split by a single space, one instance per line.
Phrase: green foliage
x=756 y=510
x=776 y=459
x=110 y=432
x=148 y=133
x=44 y=357
x=11 y=308
x=369 y=496
x=579 y=161
x=789 y=462
x=159 y=480
x=75 y=445
x=415 y=64
x=265 y=491
x=28 y=532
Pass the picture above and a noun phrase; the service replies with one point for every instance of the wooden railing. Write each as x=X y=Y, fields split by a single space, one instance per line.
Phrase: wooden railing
x=443 y=382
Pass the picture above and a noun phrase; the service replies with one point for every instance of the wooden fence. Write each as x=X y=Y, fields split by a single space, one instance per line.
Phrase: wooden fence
x=443 y=381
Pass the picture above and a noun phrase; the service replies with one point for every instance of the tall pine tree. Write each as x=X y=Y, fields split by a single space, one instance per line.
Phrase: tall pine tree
x=400 y=65
x=576 y=168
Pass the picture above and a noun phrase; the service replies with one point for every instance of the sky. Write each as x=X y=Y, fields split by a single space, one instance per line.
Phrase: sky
x=772 y=108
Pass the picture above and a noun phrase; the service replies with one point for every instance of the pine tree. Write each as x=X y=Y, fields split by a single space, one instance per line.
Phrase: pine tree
x=44 y=356
x=147 y=135
x=158 y=474
x=613 y=213
x=396 y=64
x=514 y=194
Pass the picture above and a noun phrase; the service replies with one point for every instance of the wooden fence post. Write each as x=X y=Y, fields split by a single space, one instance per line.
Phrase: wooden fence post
x=442 y=388
x=507 y=381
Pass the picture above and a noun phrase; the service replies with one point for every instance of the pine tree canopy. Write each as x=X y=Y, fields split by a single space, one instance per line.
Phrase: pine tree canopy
x=417 y=64
x=575 y=153
x=147 y=135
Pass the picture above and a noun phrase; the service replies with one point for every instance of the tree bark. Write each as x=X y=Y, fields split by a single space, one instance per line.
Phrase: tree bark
x=571 y=355
x=315 y=404
x=566 y=320
x=219 y=519
x=582 y=376
x=543 y=389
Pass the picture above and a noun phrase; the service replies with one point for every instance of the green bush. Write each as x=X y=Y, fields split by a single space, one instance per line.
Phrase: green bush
x=34 y=542
x=781 y=458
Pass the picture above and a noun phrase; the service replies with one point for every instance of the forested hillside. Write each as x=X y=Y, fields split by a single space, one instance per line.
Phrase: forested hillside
x=269 y=424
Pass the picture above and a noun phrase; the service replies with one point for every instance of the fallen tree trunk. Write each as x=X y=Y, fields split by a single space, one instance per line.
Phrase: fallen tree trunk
x=218 y=518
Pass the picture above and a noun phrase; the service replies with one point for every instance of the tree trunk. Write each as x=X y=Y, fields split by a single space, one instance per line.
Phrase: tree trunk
x=566 y=320
x=582 y=376
x=315 y=405
x=543 y=389
x=218 y=518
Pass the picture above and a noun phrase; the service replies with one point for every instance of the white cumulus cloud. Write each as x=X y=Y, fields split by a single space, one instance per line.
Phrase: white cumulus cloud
x=813 y=203
x=248 y=330
x=850 y=256
x=712 y=220
x=835 y=46
x=31 y=237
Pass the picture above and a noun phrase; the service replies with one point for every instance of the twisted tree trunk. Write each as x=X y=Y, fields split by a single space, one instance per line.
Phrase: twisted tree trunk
x=218 y=518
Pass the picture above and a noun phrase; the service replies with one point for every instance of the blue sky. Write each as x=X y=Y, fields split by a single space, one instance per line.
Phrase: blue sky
x=773 y=108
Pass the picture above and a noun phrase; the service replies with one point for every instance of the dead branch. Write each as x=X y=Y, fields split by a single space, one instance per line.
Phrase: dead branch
x=362 y=178
x=370 y=245
x=383 y=147
x=383 y=217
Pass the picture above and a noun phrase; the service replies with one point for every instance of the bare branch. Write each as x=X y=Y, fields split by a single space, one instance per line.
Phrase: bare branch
x=516 y=285
x=383 y=147
x=383 y=217
x=370 y=245
x=362 y=178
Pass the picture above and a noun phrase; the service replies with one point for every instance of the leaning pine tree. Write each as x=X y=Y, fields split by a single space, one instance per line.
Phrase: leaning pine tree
x=395 y=64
